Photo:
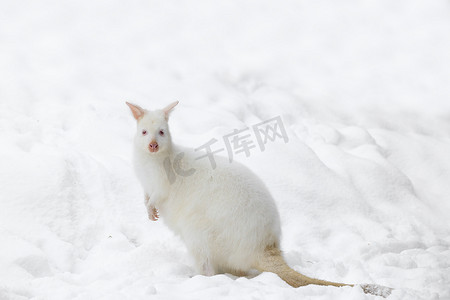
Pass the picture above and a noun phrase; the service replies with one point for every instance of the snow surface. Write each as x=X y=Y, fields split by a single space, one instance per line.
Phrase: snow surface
x=362 y=185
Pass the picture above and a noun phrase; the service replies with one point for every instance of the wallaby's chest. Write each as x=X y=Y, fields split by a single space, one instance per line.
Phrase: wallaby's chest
x=152 y=176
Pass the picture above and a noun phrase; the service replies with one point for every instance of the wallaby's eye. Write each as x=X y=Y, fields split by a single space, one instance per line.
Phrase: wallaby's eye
x=144 y=132
x=161 y=133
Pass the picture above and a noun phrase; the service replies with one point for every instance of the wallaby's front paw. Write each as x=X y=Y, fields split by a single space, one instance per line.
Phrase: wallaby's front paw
x=153 y=213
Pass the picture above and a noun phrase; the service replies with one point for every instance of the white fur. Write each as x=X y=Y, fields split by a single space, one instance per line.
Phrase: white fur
x=226 y=216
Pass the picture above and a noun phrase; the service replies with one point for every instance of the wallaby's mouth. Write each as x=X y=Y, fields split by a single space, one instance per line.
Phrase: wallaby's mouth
x=153 y=146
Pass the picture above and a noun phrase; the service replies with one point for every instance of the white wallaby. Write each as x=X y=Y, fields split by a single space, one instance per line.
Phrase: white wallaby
x=225 y=215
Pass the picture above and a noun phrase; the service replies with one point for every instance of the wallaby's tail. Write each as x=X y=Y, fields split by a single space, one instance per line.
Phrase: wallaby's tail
x=272 y=261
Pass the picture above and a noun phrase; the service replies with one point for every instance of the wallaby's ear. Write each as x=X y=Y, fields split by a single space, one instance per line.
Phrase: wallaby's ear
x=169 y=108
x=137 y=111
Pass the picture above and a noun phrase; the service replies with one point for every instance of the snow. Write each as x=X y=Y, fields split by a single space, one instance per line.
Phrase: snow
x=362 y=184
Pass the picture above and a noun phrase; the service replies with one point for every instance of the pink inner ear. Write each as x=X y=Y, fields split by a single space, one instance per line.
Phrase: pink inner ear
x=168 y=108
x=137 y=111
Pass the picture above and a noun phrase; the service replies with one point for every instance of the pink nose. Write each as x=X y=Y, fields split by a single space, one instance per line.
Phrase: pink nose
x=153 y=146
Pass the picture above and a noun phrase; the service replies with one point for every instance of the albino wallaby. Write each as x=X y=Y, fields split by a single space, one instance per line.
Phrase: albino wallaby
x=225 y=216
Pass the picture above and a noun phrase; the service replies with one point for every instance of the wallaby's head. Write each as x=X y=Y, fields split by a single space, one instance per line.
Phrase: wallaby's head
x=152 y=135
